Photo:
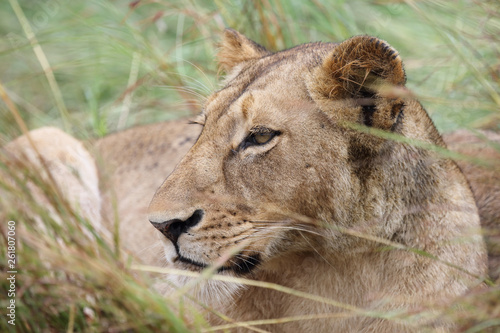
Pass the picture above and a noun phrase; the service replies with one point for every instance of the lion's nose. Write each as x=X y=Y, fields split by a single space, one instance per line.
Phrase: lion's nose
x=173 y=229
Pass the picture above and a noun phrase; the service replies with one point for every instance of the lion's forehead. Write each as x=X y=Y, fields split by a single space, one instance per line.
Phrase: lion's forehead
x=278 y=78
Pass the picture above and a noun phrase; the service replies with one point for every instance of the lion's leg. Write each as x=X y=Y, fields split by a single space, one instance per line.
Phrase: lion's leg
x=62 y=161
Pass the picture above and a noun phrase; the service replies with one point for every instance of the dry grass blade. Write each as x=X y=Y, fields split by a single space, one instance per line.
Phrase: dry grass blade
x=44 y=62
x=127 y=100
x=420 y=144
x=13 y=109
x=279 y=321
x=272 y=286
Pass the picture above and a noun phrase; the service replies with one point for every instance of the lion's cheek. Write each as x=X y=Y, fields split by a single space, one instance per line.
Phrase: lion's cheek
x=328 y=197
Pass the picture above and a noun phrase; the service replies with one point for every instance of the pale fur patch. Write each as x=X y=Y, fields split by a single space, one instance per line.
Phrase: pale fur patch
x=70 y=166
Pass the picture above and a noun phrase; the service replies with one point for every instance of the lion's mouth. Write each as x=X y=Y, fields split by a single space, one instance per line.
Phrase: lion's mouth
x=240 y=264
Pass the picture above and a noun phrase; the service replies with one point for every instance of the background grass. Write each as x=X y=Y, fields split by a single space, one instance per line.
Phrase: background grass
x=146 y=61
x=116 y=64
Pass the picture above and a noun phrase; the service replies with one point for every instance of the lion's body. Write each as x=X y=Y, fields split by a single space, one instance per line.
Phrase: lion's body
x=485 y=184
x=282 y=177
x=122 y=157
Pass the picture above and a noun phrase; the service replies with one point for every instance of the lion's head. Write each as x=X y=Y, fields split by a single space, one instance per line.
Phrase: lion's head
x=286 y=160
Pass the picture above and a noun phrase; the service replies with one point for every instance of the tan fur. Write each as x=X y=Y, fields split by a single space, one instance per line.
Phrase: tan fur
x=314 y=208
x=485 y=184
x=289 y=207
x=119 y=193
x=61 y=161
x=133 y=163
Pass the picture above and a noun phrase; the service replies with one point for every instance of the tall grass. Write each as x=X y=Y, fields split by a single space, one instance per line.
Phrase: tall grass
x=94 y=67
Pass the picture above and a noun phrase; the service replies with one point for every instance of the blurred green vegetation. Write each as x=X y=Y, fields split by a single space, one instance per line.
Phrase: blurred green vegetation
x=122 y=63
x=116 y=64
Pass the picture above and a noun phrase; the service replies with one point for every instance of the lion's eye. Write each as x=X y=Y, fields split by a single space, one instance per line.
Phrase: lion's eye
x=258 y=138
x=261 y=138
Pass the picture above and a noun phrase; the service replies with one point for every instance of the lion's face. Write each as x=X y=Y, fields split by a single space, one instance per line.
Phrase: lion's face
x=259 y=162
x=273 y=163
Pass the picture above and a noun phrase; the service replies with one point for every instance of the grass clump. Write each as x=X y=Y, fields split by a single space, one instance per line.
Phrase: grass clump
x=96 y=67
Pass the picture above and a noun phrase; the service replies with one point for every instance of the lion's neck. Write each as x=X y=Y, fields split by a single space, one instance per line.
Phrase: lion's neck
x=354 y=281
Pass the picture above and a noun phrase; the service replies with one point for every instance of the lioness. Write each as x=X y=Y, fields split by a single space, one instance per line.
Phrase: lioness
x=288 y=174
x=293 y=180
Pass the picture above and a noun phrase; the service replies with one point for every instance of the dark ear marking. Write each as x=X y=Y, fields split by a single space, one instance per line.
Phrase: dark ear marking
x=398 y=113
x=368 y=107
x=367 y=114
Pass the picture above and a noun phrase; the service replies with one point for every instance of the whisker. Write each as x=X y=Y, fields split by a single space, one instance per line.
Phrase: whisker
x=317 y=252
x=154 y=247
x=239 y=240
x=201 y=86
x=183 y=89
x=244 y=255
x=209 y=89
x=287 y=222
x=247 y=263
x=234 y=263
x=296 y=228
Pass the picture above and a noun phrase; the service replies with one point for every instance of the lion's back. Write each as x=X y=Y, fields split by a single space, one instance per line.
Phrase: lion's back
x=485 y=183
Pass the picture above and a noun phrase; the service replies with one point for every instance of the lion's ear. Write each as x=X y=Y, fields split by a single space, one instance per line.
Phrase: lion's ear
x=235 y=49
x=367 y=74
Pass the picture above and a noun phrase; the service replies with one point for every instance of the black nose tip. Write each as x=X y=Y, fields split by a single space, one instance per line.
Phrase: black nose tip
x=173 y=229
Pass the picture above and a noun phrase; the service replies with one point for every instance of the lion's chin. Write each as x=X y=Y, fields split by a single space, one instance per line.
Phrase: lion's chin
x=207 y=291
